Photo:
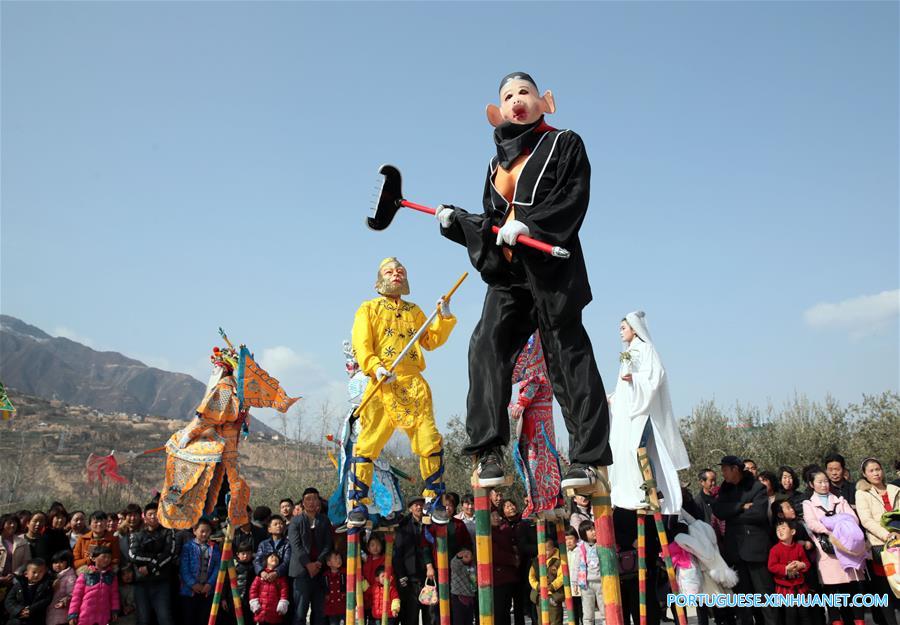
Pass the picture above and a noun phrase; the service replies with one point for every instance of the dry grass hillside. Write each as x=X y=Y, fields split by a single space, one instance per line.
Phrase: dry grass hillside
x=44 y=448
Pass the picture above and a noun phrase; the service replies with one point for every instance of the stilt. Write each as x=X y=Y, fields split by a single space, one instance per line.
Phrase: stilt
x=353 y=535
x=360 y=593
x=235 y=594
x=544 y=602
x=653 y=498
x=564 y=564
x=642 y=564
x=443 y=573
x=226 y=568
x=606 y=546
x=483 y=551
x=388 y=573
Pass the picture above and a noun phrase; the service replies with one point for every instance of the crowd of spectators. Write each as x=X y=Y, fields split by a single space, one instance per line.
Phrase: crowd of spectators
x=775 y=530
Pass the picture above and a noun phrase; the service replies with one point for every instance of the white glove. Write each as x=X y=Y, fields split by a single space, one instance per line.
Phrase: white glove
x=282 y=606
x=445 y=215
x=254 y=605
x=510 y=231
x=381 y=372
x=183 y=440
x=444 y=308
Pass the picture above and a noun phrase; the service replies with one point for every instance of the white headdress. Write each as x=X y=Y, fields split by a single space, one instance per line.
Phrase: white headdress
x=636 y=319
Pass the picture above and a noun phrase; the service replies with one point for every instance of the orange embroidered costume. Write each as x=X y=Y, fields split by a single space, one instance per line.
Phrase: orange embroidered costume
x=201 y=454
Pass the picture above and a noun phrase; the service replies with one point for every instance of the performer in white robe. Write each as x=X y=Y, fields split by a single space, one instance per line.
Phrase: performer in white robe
x=642 y=409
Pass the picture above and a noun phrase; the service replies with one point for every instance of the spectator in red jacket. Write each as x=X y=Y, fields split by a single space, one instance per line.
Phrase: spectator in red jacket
x=788 y=564
x=506 y=567
x=374 y=597
x=269 y=597
x=335 y=589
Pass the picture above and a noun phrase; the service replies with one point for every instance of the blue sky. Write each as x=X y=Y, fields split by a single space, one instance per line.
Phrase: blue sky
x=168 y=168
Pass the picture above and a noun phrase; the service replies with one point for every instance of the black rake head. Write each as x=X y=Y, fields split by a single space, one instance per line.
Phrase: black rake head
x=388 y=199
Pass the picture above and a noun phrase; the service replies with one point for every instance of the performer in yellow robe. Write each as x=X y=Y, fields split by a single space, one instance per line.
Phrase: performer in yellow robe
x=381 y=329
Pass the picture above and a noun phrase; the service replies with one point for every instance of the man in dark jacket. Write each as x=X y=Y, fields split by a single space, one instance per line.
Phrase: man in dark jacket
x=412 y=565
x=309 y=535
x=836 y=469
x=705 y=498
x=152 y=551
x=742 y=503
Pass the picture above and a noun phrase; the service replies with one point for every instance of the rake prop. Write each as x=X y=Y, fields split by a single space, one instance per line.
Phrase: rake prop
x=390 y=199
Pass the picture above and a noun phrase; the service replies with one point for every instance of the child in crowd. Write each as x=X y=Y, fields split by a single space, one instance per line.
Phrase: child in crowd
x=275 y=543
x=127 y=606
x=374 y=557
x=95 y=598
x=585 y=567
x=335 y=589
x=27 y=600
x=97 y=535
x=269 y=593
x=58 y=612
x=573 y=551
x=199 y=566
x=246 y=573
x=374 y=597
x=788 y=564
x=463 y=587
x=554 y=582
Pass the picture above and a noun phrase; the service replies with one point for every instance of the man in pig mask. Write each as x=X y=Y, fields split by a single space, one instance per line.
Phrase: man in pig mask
x=538 y=184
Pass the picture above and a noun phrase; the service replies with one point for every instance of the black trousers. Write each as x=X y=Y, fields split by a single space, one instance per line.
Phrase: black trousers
x=508 y=318
x=754 y=577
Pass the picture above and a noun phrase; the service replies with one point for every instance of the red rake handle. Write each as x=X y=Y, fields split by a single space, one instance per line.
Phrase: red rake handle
x=554 y=250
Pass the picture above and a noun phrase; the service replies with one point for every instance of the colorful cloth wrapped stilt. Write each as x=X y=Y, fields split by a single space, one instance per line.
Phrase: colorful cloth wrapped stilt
x=535 y=455
x=484 y=556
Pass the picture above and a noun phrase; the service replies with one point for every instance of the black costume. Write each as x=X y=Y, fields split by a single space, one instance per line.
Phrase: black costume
x=534 y=291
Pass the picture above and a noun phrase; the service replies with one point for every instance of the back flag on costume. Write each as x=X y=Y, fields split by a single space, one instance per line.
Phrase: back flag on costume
x=257 y=388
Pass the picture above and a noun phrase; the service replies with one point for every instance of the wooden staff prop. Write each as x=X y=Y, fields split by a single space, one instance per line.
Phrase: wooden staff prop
x=564 y=564
x=642 y=564
x=374 y=388
x=443 y=574
x=542 y=571
x=390 y=199
x=388 y=573
x=650 y=488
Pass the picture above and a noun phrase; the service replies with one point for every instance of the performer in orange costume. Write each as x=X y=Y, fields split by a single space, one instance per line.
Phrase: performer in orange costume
x=202 y=453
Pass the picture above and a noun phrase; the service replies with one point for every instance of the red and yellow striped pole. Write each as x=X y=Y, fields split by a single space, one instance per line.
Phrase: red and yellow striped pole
x=564 y=565
x=352 y=574
x=642 y=564
x=542 y=571
x=220 y=578
x=647 y=471
x=443 y=574
x=484 y=556
x=388 y=575
x=601 y=504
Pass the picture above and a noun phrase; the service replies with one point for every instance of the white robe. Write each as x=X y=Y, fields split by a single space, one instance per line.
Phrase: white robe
x=633 y=403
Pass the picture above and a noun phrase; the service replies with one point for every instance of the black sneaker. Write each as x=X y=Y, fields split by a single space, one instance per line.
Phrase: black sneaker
x=490 y=469
x=436 y=511
x=358 y=517
x=391 y=520
x=579 y=476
